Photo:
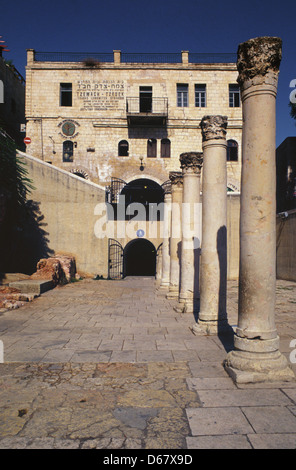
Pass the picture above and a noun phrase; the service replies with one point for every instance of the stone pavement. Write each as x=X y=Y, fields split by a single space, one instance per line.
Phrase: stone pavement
x=111 y=365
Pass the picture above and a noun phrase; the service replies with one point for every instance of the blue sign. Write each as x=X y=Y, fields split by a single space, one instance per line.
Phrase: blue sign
x=140 y=233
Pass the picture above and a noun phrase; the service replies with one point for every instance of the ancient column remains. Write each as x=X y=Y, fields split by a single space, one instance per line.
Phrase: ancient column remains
x=165 y=277
x=191 y=163
x=256 y=356
x=176 y=179
x=213 y=275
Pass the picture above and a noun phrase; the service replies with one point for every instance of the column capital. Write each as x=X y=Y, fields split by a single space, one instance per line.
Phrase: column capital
x=191 y=161
x=258 y=59
x=167 y=187
x=176 y=179
x=213 y=127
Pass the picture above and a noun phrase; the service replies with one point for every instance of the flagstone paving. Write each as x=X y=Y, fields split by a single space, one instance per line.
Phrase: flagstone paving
x=111 y=365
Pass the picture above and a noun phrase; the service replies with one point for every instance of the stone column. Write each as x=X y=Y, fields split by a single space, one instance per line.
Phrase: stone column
x=165 y=278
x=191 y=163
x=176 y=179
x=256 y=355
x=213 y=276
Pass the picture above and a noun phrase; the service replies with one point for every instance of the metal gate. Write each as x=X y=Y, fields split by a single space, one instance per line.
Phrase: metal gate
x=116 y=187
x=115 y=259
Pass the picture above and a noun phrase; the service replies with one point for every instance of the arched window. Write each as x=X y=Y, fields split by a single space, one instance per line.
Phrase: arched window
x=232 y=151
x=123 y=148
x=165 y=148
x=67 y=151
x=81 y=173
x=151 y=148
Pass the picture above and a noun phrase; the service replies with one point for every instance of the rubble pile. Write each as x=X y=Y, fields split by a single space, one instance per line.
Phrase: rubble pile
x=60 y=269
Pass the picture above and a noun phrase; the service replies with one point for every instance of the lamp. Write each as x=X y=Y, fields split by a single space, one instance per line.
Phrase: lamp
x=141 y=166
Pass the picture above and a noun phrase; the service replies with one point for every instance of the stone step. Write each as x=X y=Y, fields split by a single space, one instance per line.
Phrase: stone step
x=33 y=286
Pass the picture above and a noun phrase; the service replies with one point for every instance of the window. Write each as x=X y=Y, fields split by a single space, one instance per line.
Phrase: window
x=234 y=96
x=200 y=96
x=65 y=94
x=232 y=151
x=182 y=96
x=123 y=148
x=68 y=151
x=165 y=148
x=151 y=148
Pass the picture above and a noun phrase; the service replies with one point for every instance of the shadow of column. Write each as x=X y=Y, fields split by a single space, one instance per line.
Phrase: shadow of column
x=226 y=335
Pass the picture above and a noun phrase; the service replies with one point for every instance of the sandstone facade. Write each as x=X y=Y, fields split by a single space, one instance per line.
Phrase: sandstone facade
x=99 y=116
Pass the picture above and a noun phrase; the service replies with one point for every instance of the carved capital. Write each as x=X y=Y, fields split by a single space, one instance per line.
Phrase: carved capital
x=191 y=161
x=167 y=187
x=213 y=127
x=176 y=179
x=258 y=58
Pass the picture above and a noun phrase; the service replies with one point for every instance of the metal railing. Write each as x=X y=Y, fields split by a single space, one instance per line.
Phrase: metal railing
x=128 y=57
x=137 y=105
x=74 y=57
x=218 y=58
x=151 y=58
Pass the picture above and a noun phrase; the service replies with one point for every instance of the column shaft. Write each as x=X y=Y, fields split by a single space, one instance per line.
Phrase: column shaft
x=213 y=279
x=175 y=239
x=191 y=163
x=256 y=356
x=165 y=278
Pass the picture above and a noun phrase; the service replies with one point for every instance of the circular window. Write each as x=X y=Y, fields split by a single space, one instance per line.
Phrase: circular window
x=68 y=128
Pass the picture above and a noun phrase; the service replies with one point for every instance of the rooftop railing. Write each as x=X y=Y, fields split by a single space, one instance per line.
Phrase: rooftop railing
x=95 y=58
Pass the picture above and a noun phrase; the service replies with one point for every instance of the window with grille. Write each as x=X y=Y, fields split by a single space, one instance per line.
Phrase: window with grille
x=200 y=96
x=182 y=96
x=232 y=151
x=65 y=94
x=234 y=96
x=68 y=151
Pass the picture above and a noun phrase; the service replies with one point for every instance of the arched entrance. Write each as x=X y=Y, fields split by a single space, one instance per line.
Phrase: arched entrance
x=143 y=190
x=139 y=258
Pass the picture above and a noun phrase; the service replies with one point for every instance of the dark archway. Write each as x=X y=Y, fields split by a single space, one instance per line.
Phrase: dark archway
x=143 y=190
x=139 y=258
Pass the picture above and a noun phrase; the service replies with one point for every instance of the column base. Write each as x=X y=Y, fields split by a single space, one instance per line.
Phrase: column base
x=164 y=286
x=173 y=294
x=187 y=306
x=252 y=367
x=212 y=327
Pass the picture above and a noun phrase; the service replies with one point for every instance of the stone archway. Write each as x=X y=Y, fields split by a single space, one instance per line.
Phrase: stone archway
x=139 y=258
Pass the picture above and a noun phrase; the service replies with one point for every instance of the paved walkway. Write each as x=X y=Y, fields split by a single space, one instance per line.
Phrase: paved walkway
x=111 y=365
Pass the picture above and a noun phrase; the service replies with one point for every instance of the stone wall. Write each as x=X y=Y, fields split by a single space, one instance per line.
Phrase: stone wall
x=67 y=203
x=286 y=246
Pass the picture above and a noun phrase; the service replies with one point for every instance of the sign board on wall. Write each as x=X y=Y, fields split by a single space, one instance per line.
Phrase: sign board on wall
x=100 y=95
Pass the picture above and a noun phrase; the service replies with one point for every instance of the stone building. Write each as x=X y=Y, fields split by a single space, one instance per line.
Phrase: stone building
x=12 y=100
x=121 y=121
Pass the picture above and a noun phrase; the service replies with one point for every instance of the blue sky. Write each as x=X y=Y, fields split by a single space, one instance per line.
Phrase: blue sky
x=153 y=26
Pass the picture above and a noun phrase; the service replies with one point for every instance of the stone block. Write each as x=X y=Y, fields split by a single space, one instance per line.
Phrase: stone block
x=215 y=421
x=33 y=286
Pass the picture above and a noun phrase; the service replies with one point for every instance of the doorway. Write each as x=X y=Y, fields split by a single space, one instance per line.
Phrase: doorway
x=139 y=258
x=145 y=99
